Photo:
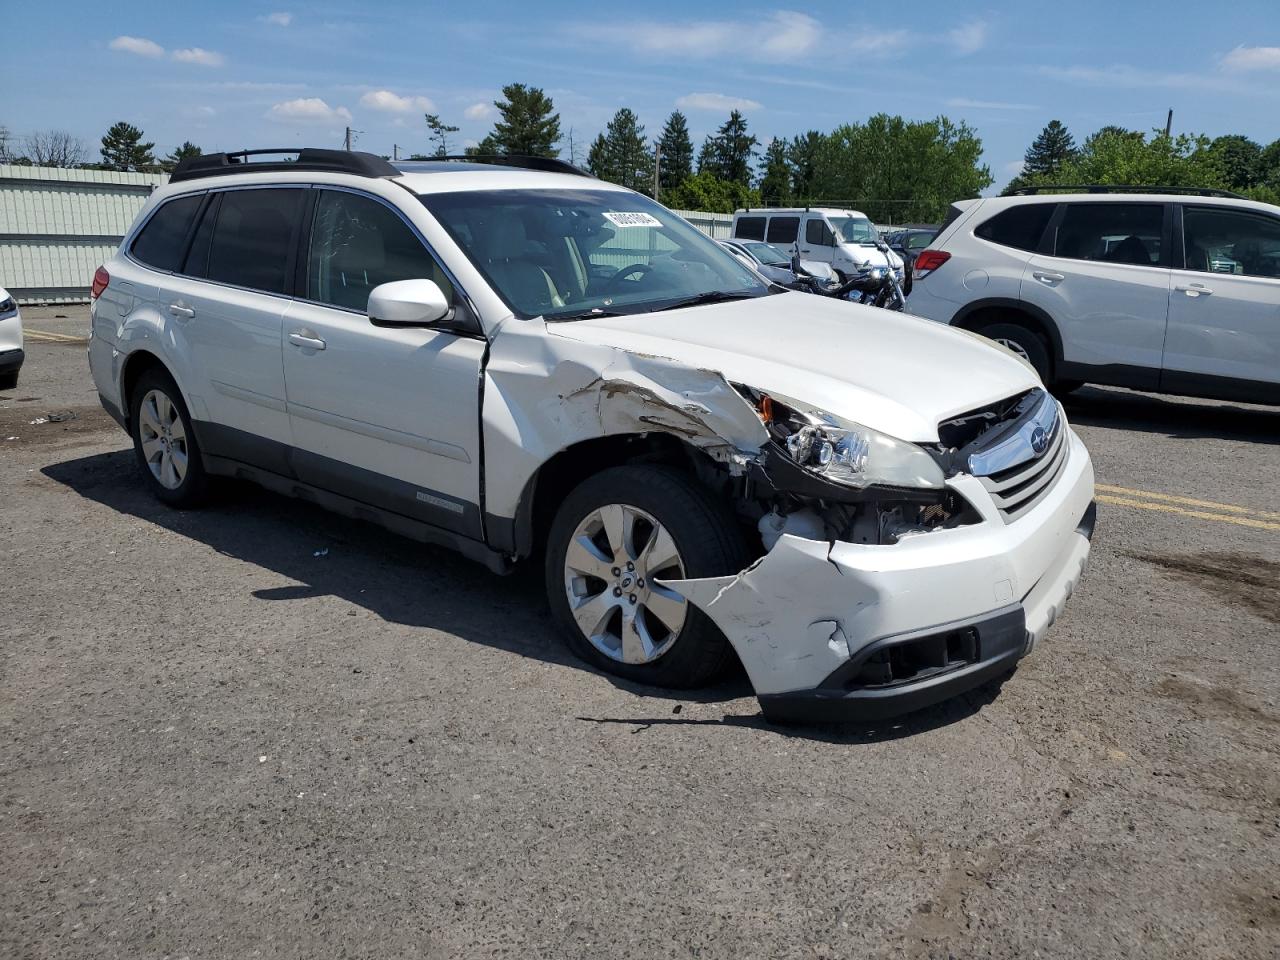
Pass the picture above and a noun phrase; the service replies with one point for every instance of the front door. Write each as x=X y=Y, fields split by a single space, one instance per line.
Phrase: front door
x=816 y=241
x=1224 y=306
x=388 y=416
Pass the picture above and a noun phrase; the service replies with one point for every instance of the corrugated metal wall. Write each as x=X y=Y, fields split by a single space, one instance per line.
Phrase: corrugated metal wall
x=57 y=226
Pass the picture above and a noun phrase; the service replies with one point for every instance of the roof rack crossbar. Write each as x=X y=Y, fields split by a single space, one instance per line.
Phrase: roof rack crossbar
x=312 y=159
x=1124 y=188
x=524 y=161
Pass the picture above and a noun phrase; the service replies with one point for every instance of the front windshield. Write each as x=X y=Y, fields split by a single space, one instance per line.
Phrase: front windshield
x=855 y=229
x=564 y=254
x=767 y=253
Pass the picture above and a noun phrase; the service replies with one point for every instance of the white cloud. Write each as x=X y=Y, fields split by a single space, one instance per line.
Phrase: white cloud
x=479 y=111
x=1252 y=58
x=966 y=103
x=781 y=36
x=715 y=101
x=278 y=19
x=887 y=43
x=308 y=110
x=968 y=38
x=205 y=58
x=388 y=102
x=138 y=45
x=1013 y=168
x=1122 y=76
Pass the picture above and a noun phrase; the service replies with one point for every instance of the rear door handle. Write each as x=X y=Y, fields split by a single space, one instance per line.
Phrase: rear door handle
x=1049 y=279
x=303 y=338
x=180 y=309
x=1194 y=289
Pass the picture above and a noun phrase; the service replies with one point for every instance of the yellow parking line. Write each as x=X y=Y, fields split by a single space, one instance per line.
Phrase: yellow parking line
x=1198 y=514
x=44 y=336
x=1187 y=501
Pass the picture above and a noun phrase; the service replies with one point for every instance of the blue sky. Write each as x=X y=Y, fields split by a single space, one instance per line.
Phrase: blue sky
x=232 y=74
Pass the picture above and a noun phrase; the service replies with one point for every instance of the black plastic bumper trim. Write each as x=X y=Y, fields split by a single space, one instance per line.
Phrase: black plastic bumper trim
x=11 y=360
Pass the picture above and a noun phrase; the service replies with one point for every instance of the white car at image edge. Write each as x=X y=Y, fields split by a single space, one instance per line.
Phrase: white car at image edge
x=11 y=353
x=871 y=511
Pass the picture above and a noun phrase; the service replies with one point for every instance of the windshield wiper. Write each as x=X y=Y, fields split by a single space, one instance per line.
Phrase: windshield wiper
x=710 y=296
x=589 y=314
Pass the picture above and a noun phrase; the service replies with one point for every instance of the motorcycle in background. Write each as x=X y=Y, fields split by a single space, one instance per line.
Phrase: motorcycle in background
x=874 y=286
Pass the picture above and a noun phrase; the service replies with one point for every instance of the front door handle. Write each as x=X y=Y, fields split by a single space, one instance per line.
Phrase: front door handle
x=180 y=309
x=1194 y=289
x=304 y=338
x=1048 y=279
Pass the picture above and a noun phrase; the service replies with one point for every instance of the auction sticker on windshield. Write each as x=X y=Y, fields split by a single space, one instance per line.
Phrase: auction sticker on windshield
x=628 y=219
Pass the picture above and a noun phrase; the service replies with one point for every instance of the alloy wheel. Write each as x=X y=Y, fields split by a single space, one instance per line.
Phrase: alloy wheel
x=163 y=438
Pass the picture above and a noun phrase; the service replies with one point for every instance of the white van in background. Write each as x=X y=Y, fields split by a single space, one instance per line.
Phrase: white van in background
x=846 y=239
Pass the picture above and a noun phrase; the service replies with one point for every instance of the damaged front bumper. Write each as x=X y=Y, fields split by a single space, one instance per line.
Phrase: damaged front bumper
x=845 y=631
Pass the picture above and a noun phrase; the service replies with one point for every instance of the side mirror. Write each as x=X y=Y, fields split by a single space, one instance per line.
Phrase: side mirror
x=407 y=303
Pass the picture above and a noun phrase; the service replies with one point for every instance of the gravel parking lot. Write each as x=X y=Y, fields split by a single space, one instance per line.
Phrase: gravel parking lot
x=263 y=730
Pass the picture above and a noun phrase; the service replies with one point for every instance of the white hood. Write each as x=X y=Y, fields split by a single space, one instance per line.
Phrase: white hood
x=891 y=372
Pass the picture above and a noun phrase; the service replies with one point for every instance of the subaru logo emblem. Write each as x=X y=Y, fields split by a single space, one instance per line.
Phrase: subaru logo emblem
x=1039 y=440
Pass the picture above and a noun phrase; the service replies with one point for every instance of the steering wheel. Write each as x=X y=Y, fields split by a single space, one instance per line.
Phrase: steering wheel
x=642 y=269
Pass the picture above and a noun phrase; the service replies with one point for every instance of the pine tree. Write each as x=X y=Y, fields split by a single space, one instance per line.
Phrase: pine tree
x=529 y=125
x=438 y=131
x=187 y=150
x=620 y=155
x=708 y=162
x=734 y=150
x=598 y=157
x=677 y=152
x=775 y=184
x=1050 y=150
x=802 y=155
x=123 y=149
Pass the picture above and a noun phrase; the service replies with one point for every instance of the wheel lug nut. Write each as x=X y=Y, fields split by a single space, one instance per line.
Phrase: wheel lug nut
x=640 y=583
x=617 y=592
x=632 y=598
x=616 y=571
x=630 y=566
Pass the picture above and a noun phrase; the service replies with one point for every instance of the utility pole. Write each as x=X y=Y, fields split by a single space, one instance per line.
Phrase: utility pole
x=657 y=166
x=1168 y=124
x=395 y=151
x=346 y=141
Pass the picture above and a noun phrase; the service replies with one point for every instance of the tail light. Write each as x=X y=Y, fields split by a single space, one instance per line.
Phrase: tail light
x=100 y=280
x=929 y=261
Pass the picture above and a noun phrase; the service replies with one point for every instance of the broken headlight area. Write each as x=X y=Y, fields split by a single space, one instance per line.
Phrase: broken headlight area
x=825 y=478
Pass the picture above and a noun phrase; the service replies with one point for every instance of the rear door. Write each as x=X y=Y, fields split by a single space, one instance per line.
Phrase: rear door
x=1103 y=276
x=388 y=416
x=1224 y=306
x=228 y=302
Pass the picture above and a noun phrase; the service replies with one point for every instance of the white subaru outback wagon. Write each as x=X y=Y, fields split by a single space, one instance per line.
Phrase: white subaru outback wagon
x=873 y=511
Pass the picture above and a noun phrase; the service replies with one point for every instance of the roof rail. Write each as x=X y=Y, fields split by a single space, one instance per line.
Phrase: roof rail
x=309 y=158
x=524 y=161
x=1123 y=188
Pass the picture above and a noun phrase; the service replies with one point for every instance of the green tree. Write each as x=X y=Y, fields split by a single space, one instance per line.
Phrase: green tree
x=802 y=155
x=1269 y=163
x=1238 y=159
x=529 y=125
x=123 y=149
x=705 y=191
x=1049 y=151
x=620 y=155
x=184 y=152
x=1111 y=130
x=707 y=156
x=734 y=149
x=677 y=152
x=438 y=132
x=1122 y=158
x=775 y=183
x=899 y=171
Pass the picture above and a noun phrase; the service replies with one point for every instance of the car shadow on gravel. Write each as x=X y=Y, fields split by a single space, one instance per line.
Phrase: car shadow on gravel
x=418 y=585
x=1172 y=416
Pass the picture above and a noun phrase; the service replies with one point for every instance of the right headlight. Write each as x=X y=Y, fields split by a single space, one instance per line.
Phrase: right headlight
x=8 y=308
x=845 y=452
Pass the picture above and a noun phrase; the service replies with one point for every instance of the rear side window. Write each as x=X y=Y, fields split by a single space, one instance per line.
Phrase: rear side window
x=1111 y=232
x=254 y=237
x=750 y=228
x=783 y=229
x=160 y=243
x=358 y=243
x=197 y=262
x=1020 y=227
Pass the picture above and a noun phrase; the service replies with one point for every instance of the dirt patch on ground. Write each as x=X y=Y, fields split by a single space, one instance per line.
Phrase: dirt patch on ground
x=30 y=424
x=1219 y=701
x=1250 y=581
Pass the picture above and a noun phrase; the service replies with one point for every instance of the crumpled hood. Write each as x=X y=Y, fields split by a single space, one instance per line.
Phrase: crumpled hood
x=892 y=372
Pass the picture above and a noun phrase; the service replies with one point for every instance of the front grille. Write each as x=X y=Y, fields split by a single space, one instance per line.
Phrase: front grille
x=1018 y=489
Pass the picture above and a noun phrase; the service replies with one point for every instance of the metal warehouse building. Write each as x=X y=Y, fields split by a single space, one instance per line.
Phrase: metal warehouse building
x=57 y=226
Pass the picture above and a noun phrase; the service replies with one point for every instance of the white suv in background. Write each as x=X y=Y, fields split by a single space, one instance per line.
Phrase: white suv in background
x=1176 y=291
x=519 y=361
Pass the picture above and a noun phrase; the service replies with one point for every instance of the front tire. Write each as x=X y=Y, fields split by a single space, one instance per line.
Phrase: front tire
x=164 y=442
x=615 y=537
x=9 y=381
x=1025 y=343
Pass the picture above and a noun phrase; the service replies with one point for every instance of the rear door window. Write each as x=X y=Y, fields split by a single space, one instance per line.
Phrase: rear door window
x=1020 y=227
x=254 y=238
x=162 y=241
x=750 y=228
x=783 y=229
x=1112 y=233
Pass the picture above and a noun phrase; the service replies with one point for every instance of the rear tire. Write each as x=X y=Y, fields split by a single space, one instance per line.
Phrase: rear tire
x=8 y=381
x=1025 y=342
x=626 y=623
x=164 y=443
